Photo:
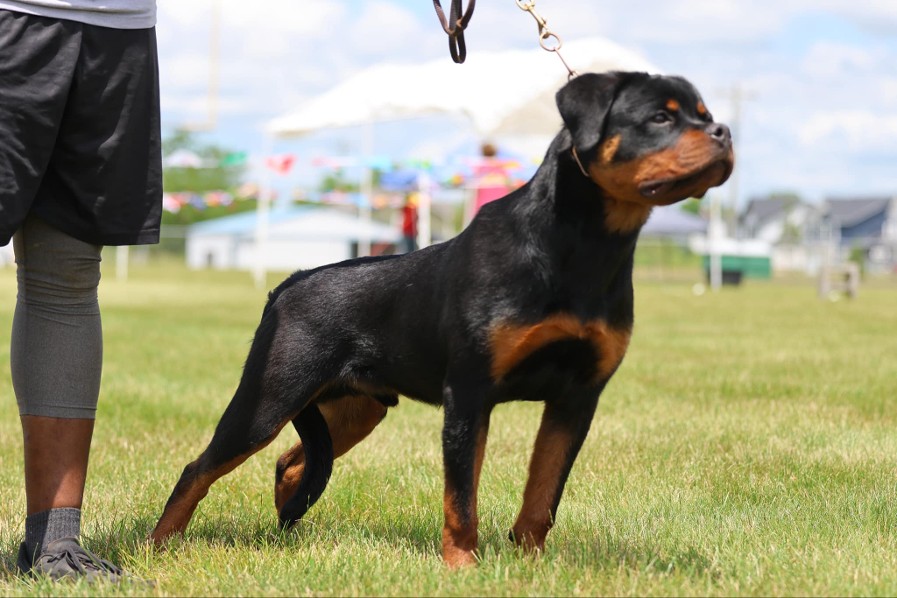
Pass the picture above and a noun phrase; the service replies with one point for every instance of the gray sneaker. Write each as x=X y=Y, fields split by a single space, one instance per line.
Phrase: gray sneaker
x=67 y=559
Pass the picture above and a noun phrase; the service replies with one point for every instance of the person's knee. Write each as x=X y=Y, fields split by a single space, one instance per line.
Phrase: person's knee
x=56 y=349
x=55 y=268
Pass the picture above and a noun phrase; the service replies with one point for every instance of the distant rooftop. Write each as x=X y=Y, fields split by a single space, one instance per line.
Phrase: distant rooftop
x=850 y=212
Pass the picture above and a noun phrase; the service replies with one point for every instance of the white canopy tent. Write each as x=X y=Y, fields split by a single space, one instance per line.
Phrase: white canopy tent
x=501 y=93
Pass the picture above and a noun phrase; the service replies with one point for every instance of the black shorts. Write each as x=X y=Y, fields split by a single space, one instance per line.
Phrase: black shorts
x=79 y=129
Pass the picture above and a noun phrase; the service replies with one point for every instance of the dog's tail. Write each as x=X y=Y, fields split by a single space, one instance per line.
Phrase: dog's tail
x=318 y=447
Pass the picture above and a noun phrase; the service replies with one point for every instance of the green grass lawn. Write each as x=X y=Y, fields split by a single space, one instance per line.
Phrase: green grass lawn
x=747 y=446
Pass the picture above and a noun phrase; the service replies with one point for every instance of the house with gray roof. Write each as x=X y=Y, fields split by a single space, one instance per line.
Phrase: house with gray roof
x=778 y=219
x=804 y=235
x=785 y=223
x=868 y=225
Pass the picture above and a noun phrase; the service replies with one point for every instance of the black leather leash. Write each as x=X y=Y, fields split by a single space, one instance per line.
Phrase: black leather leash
x=454 y=26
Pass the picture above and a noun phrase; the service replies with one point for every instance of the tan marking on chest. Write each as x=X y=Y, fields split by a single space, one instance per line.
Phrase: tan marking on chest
x=512 y=343
x=622 y=216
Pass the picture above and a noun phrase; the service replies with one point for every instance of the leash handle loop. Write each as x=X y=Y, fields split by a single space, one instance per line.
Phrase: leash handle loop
x=454 y=25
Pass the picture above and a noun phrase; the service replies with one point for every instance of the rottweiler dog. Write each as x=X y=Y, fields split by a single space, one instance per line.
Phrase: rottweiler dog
x=533 y=301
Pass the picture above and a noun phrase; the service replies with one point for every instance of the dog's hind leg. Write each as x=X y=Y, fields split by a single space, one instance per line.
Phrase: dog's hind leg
x=565 y=424
x=315 y=437
x=349 y=421
x=272 y=391
x=239 y=435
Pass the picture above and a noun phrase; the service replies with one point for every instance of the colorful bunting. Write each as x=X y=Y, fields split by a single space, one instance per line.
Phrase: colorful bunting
x=281 y=164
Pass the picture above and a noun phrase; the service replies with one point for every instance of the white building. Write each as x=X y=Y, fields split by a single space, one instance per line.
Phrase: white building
x=297 y=238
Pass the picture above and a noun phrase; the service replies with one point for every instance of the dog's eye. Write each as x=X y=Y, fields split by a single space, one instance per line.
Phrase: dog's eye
x=661 y=118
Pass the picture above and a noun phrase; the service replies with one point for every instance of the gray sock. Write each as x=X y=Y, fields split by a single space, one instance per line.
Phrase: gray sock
x=46 y=526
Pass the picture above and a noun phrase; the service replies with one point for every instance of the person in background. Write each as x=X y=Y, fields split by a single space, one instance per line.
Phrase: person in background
x=80 y=168
x=491 y=179
x=409 y=224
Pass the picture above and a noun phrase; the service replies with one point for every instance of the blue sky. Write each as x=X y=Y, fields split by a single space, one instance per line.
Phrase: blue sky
x=821 y=75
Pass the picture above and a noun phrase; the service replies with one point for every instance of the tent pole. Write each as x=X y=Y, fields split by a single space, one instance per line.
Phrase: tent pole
x=714 y=235
x=424 y=228
x=262 y=212
x=121 y=263
x=367 y=189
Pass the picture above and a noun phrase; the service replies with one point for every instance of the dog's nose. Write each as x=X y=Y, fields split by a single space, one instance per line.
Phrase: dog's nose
x=720 y=132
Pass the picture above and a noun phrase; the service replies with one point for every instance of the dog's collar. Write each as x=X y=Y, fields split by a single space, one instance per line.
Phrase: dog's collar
x=578 y=163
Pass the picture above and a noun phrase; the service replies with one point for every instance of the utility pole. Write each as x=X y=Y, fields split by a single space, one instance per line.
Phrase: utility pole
x=715 y=233
x=213 y=90
x=737 y=96
x=122 y=256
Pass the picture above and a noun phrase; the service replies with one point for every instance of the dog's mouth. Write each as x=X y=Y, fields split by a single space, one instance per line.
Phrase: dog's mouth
x=696 y=184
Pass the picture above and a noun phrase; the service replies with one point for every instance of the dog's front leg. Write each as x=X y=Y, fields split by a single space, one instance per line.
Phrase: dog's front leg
x=565 y=424
x=463 y=444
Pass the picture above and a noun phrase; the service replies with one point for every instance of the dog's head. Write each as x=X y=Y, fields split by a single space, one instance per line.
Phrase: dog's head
x=645 y=139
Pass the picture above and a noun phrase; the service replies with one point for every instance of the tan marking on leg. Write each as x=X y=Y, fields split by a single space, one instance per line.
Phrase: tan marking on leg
x=549 y=458
x=190 y=490
x=350 y=420
x=478 y=461
x=186 y=497
x=290 y=468
x=612 y=344
x=459 y=534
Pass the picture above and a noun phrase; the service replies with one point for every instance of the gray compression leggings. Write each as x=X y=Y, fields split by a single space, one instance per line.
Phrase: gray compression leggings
x=56 y=355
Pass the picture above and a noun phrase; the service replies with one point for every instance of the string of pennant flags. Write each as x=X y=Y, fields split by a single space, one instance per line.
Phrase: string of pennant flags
x=175 y=202
x=283 y=164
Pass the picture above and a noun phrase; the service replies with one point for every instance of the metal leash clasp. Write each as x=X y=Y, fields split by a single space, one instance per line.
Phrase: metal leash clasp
x=548 y=39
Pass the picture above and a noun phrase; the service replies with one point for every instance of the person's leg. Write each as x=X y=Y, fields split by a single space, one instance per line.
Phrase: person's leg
x=56 y=360
x=54 y=477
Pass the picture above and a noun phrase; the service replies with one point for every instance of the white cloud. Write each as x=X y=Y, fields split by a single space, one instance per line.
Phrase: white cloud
x=309 y=17
x=266 y=52
x=861 y=130
x=873 y=14
x=829 y=59
x=385 y=29
x=889 y=89
x=694 y=21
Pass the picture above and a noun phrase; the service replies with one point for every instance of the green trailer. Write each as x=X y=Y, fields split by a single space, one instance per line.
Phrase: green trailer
x=747 y=266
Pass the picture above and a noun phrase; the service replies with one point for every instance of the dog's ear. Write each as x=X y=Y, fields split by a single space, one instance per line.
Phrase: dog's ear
x=585 y=102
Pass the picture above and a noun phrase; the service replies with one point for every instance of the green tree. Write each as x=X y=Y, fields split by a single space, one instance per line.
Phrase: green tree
x=338 y=181
x=692 y=206
x=221 y=170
